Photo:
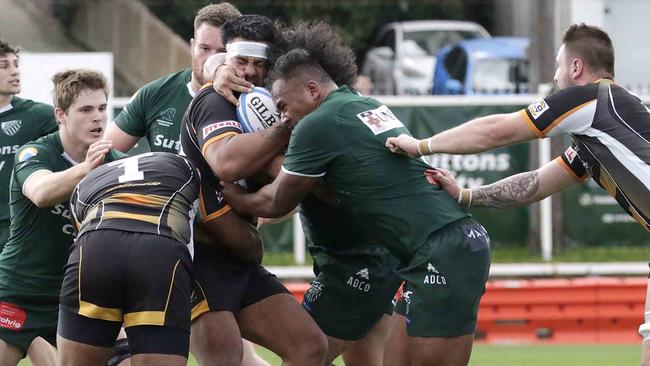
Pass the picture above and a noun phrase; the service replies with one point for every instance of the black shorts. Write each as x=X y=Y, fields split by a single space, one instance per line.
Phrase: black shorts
x=137 y=280
x=225 y=283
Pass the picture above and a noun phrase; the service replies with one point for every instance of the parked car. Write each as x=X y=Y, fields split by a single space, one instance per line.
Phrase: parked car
x=483 y=66
x=402 y=58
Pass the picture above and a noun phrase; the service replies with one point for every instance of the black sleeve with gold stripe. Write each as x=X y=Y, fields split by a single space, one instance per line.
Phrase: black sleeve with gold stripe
x=212 y=117
x=571 y=162
x=568 y=110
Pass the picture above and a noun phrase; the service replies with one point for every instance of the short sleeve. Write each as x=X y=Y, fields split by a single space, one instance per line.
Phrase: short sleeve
x=29 y=159
x=213 y=118
x=133 y=118
x=571 y=162
x=49 y=124
x=570 y=110
x=312 y=147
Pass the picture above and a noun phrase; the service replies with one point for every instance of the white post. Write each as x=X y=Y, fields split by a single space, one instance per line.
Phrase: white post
x=545 y=207
x=298 y=240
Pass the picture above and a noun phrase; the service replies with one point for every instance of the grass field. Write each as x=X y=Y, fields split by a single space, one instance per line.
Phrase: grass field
x=528 y=355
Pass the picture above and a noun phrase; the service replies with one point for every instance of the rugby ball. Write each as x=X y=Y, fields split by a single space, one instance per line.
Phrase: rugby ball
x=256 y=110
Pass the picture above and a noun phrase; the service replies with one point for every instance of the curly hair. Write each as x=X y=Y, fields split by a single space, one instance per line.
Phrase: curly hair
x=322 y=44
x=69 y=84
x=592 y=45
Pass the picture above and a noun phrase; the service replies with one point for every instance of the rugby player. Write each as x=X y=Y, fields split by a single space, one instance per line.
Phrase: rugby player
x=131 y=262
x=213 y=139
x=156 y=111
x=338 y=139
x=44 y=174
x=610 y=128
x=21 y=121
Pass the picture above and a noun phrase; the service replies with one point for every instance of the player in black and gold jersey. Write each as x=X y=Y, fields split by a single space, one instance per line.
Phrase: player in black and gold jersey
x=131 y=264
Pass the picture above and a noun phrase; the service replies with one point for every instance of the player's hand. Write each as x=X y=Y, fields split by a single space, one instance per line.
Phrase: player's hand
x=403 y=144
x=96 y=153
x=445 y=179
x=227 y=79
x=233 y=193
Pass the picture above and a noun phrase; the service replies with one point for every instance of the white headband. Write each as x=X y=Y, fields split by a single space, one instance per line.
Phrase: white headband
x=254 y=49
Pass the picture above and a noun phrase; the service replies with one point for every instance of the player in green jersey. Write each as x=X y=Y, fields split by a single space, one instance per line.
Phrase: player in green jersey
x=156 y=111
x=339 y=142
x=44 y=174
x=21 y=121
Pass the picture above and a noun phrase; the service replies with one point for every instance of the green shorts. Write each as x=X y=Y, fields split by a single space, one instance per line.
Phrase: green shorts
x=445 y=279
x=350 y=294
x=25 y=317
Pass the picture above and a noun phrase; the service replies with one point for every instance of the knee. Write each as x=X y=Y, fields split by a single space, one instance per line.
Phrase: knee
x=313 y=346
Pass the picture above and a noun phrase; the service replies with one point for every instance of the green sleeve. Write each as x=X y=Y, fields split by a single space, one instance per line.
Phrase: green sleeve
x=49 y=121
x=31 y=158
x=133 y=117
x=313 y=145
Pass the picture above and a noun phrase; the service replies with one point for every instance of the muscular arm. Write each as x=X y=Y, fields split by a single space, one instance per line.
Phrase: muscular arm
x=240 y=156
x=273 y=200
x=478 y=135
x=524 y=188
x=122 y=141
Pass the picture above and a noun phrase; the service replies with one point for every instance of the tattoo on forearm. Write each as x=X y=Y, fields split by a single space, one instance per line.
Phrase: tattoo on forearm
x=514 y=191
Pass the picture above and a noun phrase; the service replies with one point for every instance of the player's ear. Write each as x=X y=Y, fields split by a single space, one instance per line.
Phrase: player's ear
x=59 y=114
x=577 y=68
x=312 y=88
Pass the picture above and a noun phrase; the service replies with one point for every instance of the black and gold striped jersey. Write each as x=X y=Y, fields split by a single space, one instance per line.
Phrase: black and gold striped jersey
x=209 y=118
x=151 y=193
x=610 y=128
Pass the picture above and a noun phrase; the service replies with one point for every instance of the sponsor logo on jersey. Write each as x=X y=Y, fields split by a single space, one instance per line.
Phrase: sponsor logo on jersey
x=360 y=280
x=11 y=127
x=27 y=154
x=9 y=149
x=207 y=130
x=570 y=154
x=380 y=120
x=363 y=273
x=434 y=277
x=537 y=108
x=167 y=117
x=12 y=317
x=161 y=140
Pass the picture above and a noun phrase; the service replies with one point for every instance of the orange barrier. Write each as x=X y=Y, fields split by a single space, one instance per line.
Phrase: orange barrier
x=582 y=310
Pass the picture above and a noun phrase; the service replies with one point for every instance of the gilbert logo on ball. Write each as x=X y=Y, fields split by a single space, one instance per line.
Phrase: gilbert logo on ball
x=256 y=110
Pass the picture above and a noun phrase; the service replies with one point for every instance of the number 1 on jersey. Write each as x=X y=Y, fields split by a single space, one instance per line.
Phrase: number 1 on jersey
x=131 y=171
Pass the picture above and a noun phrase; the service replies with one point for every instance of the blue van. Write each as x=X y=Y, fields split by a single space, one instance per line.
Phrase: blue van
x=491 y=66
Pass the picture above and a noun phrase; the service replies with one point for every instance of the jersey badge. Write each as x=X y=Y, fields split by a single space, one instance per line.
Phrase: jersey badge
x=537 y=108
x=166 y=117
x=380 y=120
x=11 y=127
x=570 y=154
x=27 y=154
x=207 y=130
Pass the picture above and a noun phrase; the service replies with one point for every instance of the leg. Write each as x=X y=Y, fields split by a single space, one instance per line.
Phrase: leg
x=250 y=357
x=435 y=350
x=280 y=324
x=396 y=351
x=645 y=345
x=369 y=350
x=9 y=355
x=215 y=339
x=158 y=359
x=335 y=348
x=80 y=354
x=41 y=353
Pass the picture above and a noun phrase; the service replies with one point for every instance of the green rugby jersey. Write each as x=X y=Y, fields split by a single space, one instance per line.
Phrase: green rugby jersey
x=40 y=238
x=26 y=121
x=156 y=111
x=388 y=196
